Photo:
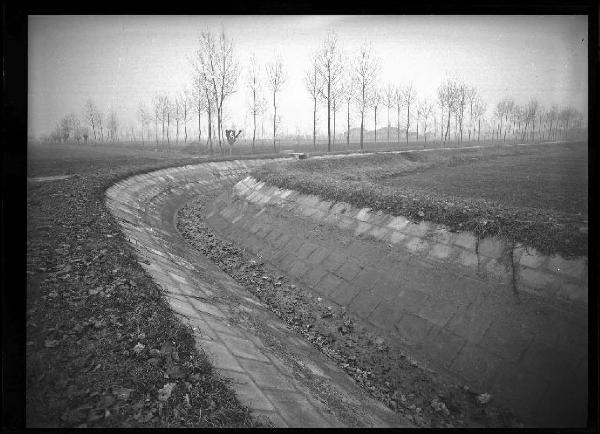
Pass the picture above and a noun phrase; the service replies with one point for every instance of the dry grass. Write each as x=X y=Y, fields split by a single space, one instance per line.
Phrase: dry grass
x=464 y=189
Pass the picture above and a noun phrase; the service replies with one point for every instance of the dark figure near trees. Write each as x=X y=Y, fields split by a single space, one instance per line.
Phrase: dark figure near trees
x=232 y=136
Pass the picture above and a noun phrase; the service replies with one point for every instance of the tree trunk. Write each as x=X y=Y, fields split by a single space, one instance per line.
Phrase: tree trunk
x=441 y=123
x=199 y=113
x=328 y=111
x=479 y=130
x=209 y=139
x=375 y=124
x=219 y=130
x=398 y=129
x=254 y=132
x=274 y=122
x=362 y=116
x=168 y=125
x=315 y=124
x=348 y=136
x=333 y=141
x=388 y=125
x=407 y=120
x=447 y=128
x=417 y=131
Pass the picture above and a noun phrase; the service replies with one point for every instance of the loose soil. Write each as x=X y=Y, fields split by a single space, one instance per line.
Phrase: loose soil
x=103 y=348
x=381 y=368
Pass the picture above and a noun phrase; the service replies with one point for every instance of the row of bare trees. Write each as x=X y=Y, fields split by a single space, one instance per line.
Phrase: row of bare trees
x=216 y=73
x=93 y=125
x=519 y=121
x=335 y=79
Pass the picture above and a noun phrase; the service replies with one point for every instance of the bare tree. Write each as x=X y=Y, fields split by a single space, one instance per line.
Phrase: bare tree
x=365 y=71
x=156 y=112
x=94 y=119
x=67 y=128
x=168 y=113
x=220 y=70
x=425 y=112
x=329 y=66
x=144 y=118
x=177 y=115
x=529 y=115
x=504 y=109
x=389 y=102
x=471 y=97
x=346 y=94
x=461 y=101
x=552 y=117
x=162 y=111
x=90 y=111
x=100 y=123
x=184 y=97
x=315 y=87
x=336 y=97
x=478 y=112
x=112 y=124
x=398 y=92
x=447 y=96
x=518 y=114
x=409 y=95
x=85 y=132
x=375 y=101
x=541 y=115
x=203 y=102
x=276 y=79
x=566 y=115
x=257 y=102
x=77 y=128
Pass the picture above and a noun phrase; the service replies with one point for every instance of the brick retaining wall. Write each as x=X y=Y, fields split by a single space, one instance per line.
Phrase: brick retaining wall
x=504 y=319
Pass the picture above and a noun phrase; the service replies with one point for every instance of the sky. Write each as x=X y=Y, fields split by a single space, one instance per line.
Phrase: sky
x=122 y=61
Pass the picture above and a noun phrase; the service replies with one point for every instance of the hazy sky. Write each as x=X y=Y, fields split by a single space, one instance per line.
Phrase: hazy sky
x=119 y=61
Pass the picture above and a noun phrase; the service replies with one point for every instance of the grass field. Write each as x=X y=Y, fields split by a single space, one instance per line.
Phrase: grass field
x=554 y=178
x=192 y=148
x=535 y=195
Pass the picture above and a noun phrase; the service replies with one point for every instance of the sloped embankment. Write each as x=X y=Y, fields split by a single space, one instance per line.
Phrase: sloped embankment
x=509 y=321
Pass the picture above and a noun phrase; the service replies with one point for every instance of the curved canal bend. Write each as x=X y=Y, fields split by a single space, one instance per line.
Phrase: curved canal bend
x=237 y=331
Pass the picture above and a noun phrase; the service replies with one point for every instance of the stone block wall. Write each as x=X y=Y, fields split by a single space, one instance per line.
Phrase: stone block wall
x=544 y=276
x=504 y=319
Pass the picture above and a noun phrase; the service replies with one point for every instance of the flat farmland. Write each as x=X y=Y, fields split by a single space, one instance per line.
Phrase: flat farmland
x=535 y=195
x=554 y=177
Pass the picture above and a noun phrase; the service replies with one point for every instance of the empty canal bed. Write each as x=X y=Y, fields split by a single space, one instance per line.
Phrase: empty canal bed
x=368 y=318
